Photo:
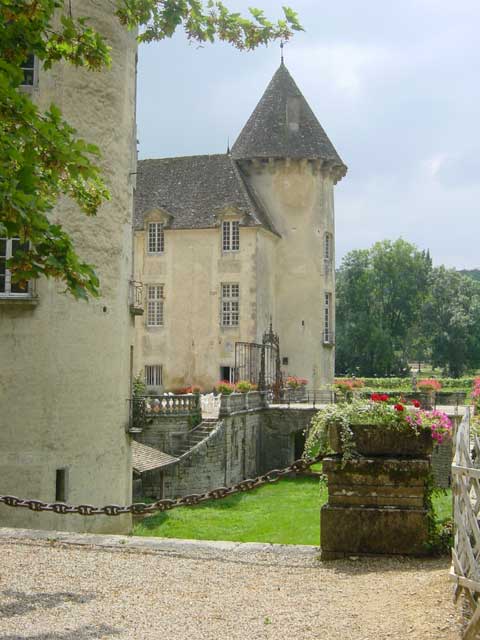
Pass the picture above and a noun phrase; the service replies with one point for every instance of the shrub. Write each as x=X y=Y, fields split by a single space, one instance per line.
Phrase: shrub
x=429 y=384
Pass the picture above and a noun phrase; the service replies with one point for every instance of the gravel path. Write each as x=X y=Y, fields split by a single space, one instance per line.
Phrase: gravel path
x=205 y=591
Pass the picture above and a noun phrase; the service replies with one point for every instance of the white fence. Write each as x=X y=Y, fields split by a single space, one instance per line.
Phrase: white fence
x=465 y=571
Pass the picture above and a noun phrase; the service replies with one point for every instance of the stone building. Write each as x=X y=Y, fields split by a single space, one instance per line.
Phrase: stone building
x=66 y=365
x=224 y=244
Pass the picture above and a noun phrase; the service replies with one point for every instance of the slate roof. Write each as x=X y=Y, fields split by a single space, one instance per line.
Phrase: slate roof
x=284 y=126
x=194 y=190
x=147 y=458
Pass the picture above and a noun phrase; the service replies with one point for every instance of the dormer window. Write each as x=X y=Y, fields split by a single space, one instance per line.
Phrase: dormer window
x=156 y=237
x=231 y=235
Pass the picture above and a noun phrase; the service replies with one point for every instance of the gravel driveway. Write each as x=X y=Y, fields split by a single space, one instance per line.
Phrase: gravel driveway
x=71 y=587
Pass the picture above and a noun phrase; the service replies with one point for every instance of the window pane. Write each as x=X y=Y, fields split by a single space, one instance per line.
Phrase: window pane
x=226 y=236
x=28 y=68
x=17 y=287
x=3 y=247
x=235 y=244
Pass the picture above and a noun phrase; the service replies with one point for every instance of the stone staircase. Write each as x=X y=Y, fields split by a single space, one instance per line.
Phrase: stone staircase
x=197 y=435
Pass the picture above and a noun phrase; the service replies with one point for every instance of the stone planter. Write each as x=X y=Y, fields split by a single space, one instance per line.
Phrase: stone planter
x=427 y=400
x=375 y=440
x=376 y=501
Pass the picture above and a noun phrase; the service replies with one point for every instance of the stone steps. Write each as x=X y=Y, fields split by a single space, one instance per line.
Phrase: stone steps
x=195 y=437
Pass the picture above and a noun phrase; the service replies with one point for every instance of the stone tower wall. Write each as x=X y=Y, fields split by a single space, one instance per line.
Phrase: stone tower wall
x=65 y=375
x=298 y=196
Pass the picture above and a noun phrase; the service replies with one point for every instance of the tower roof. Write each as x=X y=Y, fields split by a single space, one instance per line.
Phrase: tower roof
x=284 y=126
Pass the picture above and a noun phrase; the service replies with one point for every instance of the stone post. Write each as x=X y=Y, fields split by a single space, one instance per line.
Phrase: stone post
x=376 y=502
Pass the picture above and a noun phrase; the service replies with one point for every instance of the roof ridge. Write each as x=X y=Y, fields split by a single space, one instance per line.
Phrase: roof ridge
x=199 y=155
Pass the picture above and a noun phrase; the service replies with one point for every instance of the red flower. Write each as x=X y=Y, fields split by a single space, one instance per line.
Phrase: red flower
x=416 y=404
x=399 y=407
x=379 y=397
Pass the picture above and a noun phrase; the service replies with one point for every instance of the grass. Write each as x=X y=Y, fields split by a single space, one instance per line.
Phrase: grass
x=287 y=512
x=442 y=503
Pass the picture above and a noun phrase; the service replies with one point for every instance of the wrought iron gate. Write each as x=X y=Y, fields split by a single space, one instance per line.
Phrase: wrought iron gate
x=260 y=363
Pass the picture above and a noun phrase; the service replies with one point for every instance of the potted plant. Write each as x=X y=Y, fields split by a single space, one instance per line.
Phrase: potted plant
x=244 y=386
x=224 y=387
x=377 y=428
x=296 y=387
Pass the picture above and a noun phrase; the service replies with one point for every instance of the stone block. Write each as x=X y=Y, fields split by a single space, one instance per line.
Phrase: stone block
x=376 y=531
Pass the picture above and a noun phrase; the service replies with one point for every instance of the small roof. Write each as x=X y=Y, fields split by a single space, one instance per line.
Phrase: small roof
x=146 y=458
x=194 y=190
x=284 y=126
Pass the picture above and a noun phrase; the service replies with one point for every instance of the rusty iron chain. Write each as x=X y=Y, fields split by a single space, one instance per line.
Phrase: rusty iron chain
x=142 y=508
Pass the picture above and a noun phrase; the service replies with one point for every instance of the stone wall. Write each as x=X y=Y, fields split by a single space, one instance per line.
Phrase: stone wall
x=278 y=433
x=165 y=433
x=442 y=457
x=243 y=445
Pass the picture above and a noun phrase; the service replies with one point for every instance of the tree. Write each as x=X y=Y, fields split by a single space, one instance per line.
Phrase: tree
x=451 y=320
x=380 y=292
x=41 y=157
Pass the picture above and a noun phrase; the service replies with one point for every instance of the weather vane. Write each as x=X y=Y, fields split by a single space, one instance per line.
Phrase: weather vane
x=281 y=51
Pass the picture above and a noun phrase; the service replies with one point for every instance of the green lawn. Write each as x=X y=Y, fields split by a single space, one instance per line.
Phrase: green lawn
x=287 y=512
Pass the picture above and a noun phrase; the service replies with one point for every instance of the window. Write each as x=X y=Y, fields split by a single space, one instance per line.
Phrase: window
x=8 y=248
x=327 y=246
x=28 y=68
x=230 y=305
x=155 y=305
x=327 y=319
x=231 y=235
x=228 y=374
x=153 y=375
x=156 y=238
x=61 y=485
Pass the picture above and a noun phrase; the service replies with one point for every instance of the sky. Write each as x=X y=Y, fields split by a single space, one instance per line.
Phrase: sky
x=395 y=86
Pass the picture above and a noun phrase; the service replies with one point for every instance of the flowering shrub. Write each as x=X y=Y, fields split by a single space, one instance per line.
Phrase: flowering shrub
x=225 y=387
x=244 y=386
x=357 y=383
x=184 y=390
x=343 y=385
x=476 y=392
x=293 y=382
x=379 y=397
x=439 y=424
x=429 y=384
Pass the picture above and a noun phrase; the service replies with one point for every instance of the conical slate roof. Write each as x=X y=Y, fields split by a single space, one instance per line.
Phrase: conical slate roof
x=283 y=126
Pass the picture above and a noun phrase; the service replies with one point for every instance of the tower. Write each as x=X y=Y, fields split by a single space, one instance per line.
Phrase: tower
x=66 y=364
x=291 y=168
